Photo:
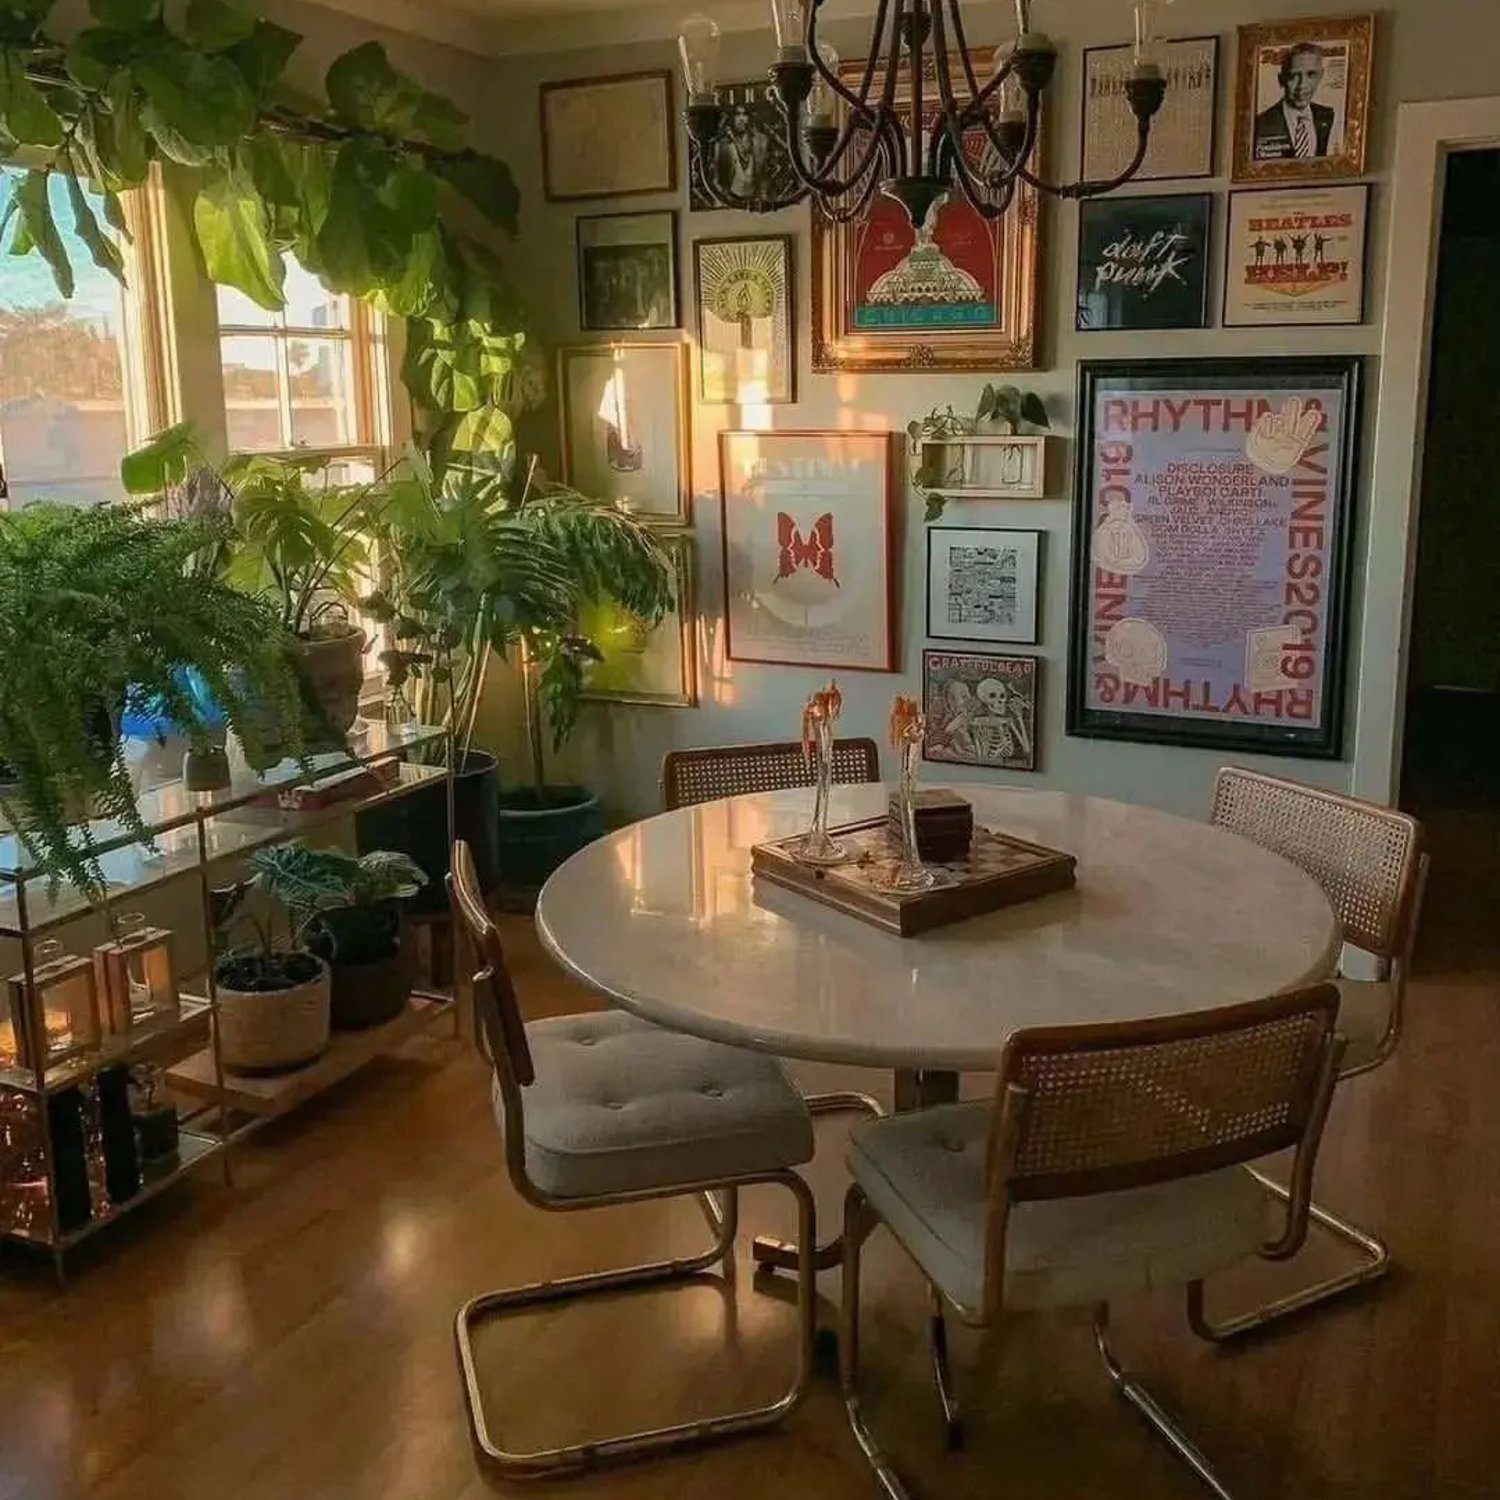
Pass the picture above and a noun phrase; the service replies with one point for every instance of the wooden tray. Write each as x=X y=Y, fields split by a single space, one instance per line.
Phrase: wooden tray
x=999 y=871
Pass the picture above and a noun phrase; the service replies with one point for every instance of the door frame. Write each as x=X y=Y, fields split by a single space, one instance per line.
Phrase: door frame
x=1426 y=134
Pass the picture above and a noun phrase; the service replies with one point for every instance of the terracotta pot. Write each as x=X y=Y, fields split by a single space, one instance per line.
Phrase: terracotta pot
x=274 y=1031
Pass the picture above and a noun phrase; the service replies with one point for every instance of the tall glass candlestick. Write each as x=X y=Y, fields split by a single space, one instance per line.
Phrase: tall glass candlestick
x=908 y=727
x=818 y=720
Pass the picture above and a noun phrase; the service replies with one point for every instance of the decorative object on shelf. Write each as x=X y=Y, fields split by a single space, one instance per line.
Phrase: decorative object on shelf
x=1302 y=99
x=627 y=271
x=73 y=1206
x=996 y=872
x=608 y=137
x=953 y=290
x=1143 y=262
x=136 y=976
x=944 y=820
x=347 y=910
x=750 y=156
x=907 y=729
x=1296 y=256
x=982 y=584
x=983 y=457
x=746 y=306
x=1182 y=134
x=902 y=124
x=347 y=785
x=156 y=1129
x=624 y=409
x=981 y=710
x=206 y=769
x=1214 y=524
x=808 y=537
x=640 y=662
x=122 y=1157
x=56 y=1017
x=820 y=717
x=25 y=1198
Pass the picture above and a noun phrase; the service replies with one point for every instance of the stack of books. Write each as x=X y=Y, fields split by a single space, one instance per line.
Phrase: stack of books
x=945 y=825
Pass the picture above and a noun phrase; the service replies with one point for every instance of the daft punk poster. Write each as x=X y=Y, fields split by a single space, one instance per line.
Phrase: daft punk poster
x=807 y=547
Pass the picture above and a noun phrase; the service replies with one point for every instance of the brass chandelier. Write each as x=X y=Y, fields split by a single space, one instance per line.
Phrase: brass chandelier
x=908 y=124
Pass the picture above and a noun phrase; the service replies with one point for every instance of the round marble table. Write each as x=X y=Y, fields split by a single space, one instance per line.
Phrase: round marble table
x=1168 y=915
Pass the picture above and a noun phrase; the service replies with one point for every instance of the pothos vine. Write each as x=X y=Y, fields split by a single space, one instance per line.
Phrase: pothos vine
x=364 y=191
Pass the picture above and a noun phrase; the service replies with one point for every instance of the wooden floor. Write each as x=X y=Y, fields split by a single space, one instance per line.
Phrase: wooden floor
x=290 y=1338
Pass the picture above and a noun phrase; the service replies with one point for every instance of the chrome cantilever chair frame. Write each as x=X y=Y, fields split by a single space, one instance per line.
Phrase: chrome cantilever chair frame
x=1037 y=1149
x=1378 y=899
x=505 y=1038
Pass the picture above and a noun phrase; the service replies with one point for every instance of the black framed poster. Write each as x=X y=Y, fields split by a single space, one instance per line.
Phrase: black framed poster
x=1143 y=262
x=1214 y=505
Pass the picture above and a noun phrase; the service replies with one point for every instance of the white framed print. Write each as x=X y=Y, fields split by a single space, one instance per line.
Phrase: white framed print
x=1296 y=256
x=982 y=584
x=809 y=530
x=747 y=348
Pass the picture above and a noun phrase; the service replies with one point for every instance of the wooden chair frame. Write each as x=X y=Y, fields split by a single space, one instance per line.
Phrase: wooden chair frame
x=1382 y=923
x=1016 y=1173
x=504 y=1034
x=689 y=777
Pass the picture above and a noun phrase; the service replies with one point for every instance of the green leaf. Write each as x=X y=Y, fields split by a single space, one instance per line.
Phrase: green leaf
x=28 y=116
x=486 y=183
x=37 y=230
x=262 y=57
x=94 y=55
x=102 y=250
x=193 y=101
x=1033 y=411
x=936 y=504
x=442 y=366
x=233 y=231
x=367 y=92
x=378 y=206
x=125 y=141
x=214 y=25
x=114 y=216
x=486 y=429
x=125 y=15
x=164 y=461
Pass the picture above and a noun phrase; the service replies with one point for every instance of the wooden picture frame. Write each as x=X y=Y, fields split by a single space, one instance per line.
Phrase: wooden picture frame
x=677 y=631
x=623 y=284
x=809 y=538
x=857 y=309
x=614 y=136
x=1185 y=133
x=1167 y=648
x=752 y=148
x=1332 y=222
x=990 y=577
x=639 y=459
x=730 y=273
x=1143 y=262
x=980 y=709
x=1336 y=85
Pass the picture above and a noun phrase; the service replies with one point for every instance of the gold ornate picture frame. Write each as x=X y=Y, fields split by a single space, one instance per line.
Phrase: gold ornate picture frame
x=969 y=301
x=1326 y=98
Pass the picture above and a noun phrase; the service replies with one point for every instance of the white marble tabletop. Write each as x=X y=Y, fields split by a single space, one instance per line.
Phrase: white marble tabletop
x=1168 y=915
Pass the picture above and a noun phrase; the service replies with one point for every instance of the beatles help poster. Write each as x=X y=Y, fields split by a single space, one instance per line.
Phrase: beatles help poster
x=1212 y=543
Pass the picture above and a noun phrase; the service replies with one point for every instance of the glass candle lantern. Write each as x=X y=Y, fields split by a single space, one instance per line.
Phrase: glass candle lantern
x=136 y=976
x=57 y=1016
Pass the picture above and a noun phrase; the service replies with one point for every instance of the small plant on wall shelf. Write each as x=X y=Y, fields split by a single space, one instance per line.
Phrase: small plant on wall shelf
x=937 y=467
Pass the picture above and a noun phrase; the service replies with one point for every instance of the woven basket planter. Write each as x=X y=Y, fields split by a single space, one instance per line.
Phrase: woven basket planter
x=273 y=1031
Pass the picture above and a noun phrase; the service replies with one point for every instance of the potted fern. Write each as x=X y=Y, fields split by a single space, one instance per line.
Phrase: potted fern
x=348 y=910
x=97 y=606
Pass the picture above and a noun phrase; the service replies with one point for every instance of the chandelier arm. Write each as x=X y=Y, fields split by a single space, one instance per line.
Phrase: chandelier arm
x=973 y=190
x=860 y=101
x=1098 y=187
x=979 y=97
x=818 y=181
x=946 y=98
x=854 y=209
x=725 y=197
x=916 y=48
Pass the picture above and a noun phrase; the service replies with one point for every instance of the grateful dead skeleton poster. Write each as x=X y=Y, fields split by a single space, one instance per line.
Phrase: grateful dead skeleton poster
x=808 y=526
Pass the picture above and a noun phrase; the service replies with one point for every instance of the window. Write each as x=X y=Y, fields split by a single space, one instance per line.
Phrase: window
x=308 y=377
x=72 y=384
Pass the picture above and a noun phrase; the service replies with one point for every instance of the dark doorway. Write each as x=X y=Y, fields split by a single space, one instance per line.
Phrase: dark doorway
x=1452 y=752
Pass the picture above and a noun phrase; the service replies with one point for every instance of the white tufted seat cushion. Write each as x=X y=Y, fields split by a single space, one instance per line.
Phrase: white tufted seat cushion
x=620 y=1105
x=924 y=1173
x=1365 y=1010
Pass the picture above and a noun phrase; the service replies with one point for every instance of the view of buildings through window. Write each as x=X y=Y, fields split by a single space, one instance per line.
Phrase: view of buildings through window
x=65 y=394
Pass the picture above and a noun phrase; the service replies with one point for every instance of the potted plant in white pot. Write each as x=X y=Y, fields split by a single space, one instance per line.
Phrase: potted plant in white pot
x=349 y=910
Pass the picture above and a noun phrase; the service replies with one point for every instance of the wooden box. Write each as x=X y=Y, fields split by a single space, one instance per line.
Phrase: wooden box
x=998 y=871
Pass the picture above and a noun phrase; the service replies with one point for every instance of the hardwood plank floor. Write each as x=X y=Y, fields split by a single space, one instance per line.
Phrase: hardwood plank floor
x=291 y=1336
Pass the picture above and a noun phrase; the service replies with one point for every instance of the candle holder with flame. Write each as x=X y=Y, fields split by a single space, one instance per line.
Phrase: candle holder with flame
x=818 y=721
x=56 y=1016
x=136 y=975
x=908 y=727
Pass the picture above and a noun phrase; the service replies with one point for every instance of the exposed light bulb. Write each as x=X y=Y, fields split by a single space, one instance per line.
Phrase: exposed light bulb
x=1148 y=37
x=823 y=102
x=789 y=17
x=698 y=44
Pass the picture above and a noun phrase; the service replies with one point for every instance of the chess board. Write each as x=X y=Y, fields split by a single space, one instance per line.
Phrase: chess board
x=999 y=871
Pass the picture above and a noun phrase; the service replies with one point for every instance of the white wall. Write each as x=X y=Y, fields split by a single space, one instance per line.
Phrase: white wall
x=1424 y=49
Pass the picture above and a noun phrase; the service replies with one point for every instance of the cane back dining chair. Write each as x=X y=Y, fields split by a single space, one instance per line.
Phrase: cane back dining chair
x=1370 y=864
x=1111 y=1161
x=606 y=1109
x=692 y=776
